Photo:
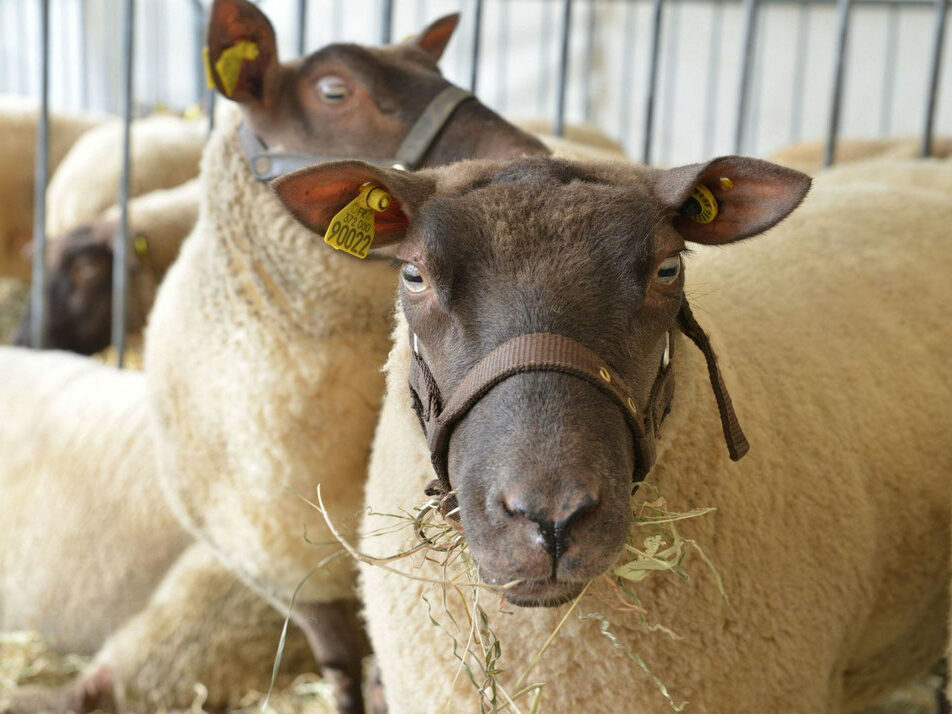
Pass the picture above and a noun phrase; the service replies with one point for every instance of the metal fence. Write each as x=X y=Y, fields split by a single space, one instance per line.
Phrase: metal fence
x=574 y=69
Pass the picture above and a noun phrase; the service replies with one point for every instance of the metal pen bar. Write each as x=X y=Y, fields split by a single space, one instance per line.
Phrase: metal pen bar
x=800 y=71
x=386 y=22
x=120 y=271
x=713 y=79
x=670 y=97
x=938 y=41
x=626 y=76
x=589 y=60
x=889 y=70
x=652 y=78
x=836 y=105
x=559 y=126
x=38 y=322
x=477 y=34
x=746 y=67
x=301 y=27
x=198 y=37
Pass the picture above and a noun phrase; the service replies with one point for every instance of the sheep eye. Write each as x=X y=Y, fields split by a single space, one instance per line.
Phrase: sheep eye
x=413 y=278
x=332 y=89
x=669 y=270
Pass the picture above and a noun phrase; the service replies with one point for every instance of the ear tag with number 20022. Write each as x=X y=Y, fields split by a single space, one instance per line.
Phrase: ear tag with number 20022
x=352 y=229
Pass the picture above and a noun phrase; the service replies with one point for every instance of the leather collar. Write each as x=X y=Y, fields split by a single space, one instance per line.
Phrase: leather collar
x=266 y=165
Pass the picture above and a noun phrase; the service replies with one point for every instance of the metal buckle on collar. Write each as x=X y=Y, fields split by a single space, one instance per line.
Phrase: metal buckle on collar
x=266 y=165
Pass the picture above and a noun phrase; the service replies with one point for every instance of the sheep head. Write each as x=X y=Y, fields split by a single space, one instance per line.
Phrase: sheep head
x=347 y=100
x=542 y=463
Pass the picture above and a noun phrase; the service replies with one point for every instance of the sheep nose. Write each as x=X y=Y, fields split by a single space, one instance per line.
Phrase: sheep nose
x=554 y=524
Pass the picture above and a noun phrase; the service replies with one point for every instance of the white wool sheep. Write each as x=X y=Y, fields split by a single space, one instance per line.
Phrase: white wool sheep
x=18 y=120
x=934 y=175
x=807 y=156
x=583 y=134
x=165 y=152
x=161 y=616
x=830 y=536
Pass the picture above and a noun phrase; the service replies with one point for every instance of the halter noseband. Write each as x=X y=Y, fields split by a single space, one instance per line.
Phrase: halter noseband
x=546 y=352
x=266 y=165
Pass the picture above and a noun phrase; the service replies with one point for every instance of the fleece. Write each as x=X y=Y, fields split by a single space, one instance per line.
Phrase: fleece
x=165 y=152
x=831 y=536
x=91 y=557
x=18 y=120
x=807 y=156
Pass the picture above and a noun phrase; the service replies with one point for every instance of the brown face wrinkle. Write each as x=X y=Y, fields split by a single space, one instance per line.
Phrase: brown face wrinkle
x=542 y=464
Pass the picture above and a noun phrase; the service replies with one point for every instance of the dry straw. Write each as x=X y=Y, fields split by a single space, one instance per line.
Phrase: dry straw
x=654 y=546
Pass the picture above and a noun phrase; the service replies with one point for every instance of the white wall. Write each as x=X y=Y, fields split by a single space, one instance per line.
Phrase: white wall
x=694 y=117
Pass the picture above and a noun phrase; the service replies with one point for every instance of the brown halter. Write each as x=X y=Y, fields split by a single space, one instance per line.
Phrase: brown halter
x=540 y=351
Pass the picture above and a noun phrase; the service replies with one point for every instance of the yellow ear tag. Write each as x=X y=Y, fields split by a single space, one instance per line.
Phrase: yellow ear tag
x=140 y=245
x=726 y=183
x=228 y=65
x=708 y=204
x=352 y=229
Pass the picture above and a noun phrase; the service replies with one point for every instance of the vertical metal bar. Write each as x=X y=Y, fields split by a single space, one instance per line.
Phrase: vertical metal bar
x=588 y=62
x=669 y=105
x=747 y=61
x=477 y=35
x=198 y=40
x=120 y=272
x=938 y=41
x=842 y=35
x=559 y=124
x=83 y=57
x=652 y=78
x=502 y=58
x=386 y=22
x=713 y=78
x=40 y=172
x=756 y=85
x=626 y=76
x=301 y=27
x=800 y=71
x=889 y=69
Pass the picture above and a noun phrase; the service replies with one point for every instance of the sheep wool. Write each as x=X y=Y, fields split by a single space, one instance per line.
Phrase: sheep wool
x=808 y=155
x=263 y=357
x=130 y=585
x=18 y=119
x=831 y=535
x=165 y=152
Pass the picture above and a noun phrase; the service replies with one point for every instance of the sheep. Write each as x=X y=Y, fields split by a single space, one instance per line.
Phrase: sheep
x=77 y=515
x=934 y=175
x=807 y=156
x=830 y=537
x=165 y=152
x=18 y=120
x=79 y=286
x=251 y=301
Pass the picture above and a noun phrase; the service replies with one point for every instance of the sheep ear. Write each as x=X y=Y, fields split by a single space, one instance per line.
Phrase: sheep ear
x=437 y=35
x=748 y=196
x=242 y=60
x=316 y=194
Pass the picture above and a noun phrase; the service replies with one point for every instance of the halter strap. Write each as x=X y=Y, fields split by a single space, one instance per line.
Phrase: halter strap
x=266 y=165
x=546 y=352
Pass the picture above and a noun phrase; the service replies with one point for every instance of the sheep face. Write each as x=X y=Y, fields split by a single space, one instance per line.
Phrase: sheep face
x=542 y=465
x=346 y=100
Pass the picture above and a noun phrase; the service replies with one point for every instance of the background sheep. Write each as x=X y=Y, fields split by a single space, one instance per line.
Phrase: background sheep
x=165 y=152
x=808 y=155
x=80 y=264
x=18 y=118
x=822 y=616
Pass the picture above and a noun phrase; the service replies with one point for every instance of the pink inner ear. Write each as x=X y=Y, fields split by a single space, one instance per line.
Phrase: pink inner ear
x=762 y=195
x=436 y=37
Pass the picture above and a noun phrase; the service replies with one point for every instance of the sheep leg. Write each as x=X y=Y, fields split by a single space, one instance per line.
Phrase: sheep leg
x=339 y=645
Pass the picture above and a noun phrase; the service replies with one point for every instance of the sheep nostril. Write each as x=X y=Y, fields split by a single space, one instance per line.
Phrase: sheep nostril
x=551 y=534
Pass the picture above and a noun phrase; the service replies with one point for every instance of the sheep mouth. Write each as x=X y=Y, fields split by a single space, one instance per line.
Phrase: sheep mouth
x=543 y=593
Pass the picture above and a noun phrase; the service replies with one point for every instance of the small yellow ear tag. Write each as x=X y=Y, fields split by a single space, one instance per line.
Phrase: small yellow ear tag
x=140 y=245
x=208 y=68
x=352 y=229
x=228 y=65
x=708 y=204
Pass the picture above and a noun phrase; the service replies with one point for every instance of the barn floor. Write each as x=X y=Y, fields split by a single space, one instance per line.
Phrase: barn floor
x=25 y=661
